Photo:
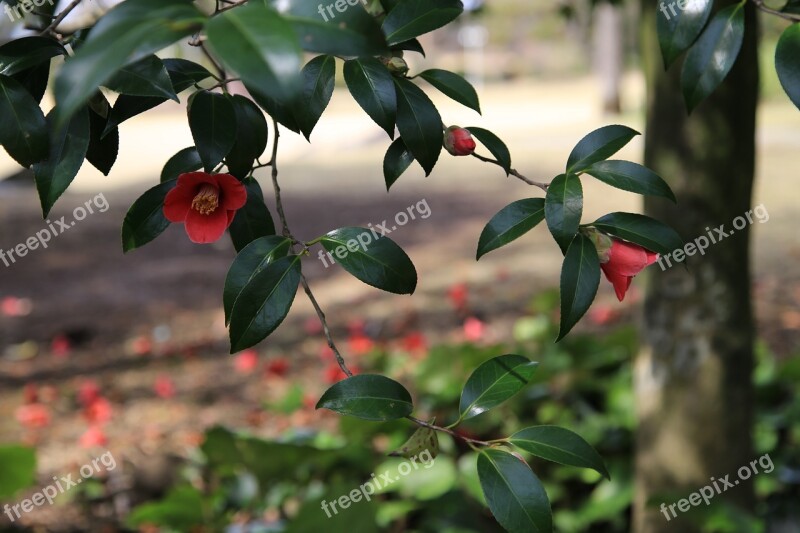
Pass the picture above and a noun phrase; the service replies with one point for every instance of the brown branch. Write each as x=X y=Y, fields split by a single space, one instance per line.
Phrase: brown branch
x=448 y=431
x=788 y=16
x=513 y=172
x=61 y=16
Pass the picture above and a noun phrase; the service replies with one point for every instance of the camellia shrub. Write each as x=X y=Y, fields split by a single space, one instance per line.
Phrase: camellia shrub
x=286 y=54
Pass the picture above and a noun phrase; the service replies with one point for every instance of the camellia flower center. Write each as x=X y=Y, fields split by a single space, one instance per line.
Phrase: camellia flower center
x=207 y=200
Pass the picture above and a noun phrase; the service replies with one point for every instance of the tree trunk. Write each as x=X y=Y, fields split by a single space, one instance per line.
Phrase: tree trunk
x=609 y=53
x=693 y=387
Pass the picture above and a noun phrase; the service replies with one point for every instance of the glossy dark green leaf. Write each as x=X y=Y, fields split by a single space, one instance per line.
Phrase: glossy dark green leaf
x=279 y=110
x=412 y=18
x=34 y=80
x=127 y=33
x=319 y=79
x=599 y=145
x=419 y=124
x=212 y=119
x=563 y=208
x=495 y=145
x=395 y=162
x=68 y=147
x=679 y=28
x=184 y=73
x=186 y=160
x=368 y=396
x=561 y=446
x=494 y=382
x=514 y=494
x=251 y=260
x=454 y=86
x=411 y=45
x=264 y=302
x=252 y=135
x=27 y=52
x=145 y=219
x=24 y=131
x=102 y=151
x=253 y=220
x=510 y=223
x=19 y=469
x=372 y=87
x=792 y=6
x=631 y=177
x=642 y=230
x=260 y=46
x=580 y=277
x=713 y=55
x=374 y=259
x=146 y=77
x=786 y=62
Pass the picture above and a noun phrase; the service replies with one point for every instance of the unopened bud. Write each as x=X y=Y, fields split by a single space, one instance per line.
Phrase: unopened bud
x=396 y=65
x=458 y=141
x=601 y=241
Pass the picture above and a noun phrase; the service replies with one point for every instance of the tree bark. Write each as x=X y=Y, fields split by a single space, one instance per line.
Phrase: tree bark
x=693 y=374
x=609 y=53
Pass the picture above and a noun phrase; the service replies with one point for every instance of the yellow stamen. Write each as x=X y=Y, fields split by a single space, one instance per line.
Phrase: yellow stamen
x=207 y=200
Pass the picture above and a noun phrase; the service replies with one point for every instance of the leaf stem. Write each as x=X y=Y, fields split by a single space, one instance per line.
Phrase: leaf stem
x=449 y=431
x=61 y=16
x=788 y=16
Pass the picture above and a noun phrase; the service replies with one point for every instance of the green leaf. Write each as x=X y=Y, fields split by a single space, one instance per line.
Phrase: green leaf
x=396 y=161
x=454 y=86
x=368 y=396
x=319 y=79
x=279 y=110
x=212 y=119
x=372 y=87
x=496 y=146
x=561 y=446
x=413 y=18
x=18 y=464
x=264 y=302
x=260 y=46
x=34 y=80
x=412 y=45
x=184 y=73
x=679 y=28
x=786 y=62
x=251 y=260
x=599 y=145
x=511 y=223
x=631 y=177
x=253 y=220
x=24 y=130
x=146 y=77
x=25 y=53
x=642 y=230
x=145 y=219
x=374 y=259
x=494 y=382
x=252 y=135
x=102 y=152
x=187 y=160
x=128 y=32
x=713 y=55
x=419 y=124
x=179 y=510
x=514 y=493
x=563 y=208
x=68 y=146
x=580 y=277
x=423 y=440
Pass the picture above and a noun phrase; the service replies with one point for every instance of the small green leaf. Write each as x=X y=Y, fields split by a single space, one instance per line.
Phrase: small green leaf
x=642 y=230
x=212 y=119
x=250 y=261
x=419 y=124
x=412 y=18
x=374 y=259
x=561 y=446
x=580 y=278
x=514 y=494
x=372 y=87
x=396 y=161
x=145 y=219
x=423 y=440
x=713 y=55
x=319 y=79
x=103 y=150
x=679 y=28
x=186 y=160
x=25 y=53
x=786 y=63
x=264 y=302
x=253 y=220
x=494 y=382
x=563 y=208
x=24 y=130
x=495 y=145
x=454 y=86
x=252 y=136
x=18 y=464
x=631 y=177
x=146 y=77
x=599 y=145
x=368 y=396
x=511 y=223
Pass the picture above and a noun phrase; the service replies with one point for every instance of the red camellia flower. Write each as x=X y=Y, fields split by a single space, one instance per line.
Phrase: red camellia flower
x=459 y=141
x=205 y=204
x=625 y=260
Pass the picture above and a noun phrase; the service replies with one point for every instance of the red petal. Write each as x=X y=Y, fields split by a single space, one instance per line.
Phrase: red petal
x=233 y=193
x=627 y=259
x=195 y=179
x=231 y=216
x=178 y=202
x=619 y=281
x=204 y=229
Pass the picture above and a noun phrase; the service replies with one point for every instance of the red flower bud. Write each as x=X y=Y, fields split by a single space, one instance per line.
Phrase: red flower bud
x=624 y=261
x=459 y=141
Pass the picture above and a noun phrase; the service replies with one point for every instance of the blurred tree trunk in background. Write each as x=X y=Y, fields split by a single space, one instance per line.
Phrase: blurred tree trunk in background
x=609 y=53
x=693 y=376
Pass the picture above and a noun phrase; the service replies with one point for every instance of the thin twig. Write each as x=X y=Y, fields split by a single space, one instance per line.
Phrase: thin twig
x=788 y=16
x=325 y=328
x=61 y=16
x=448 y=431
x=513 y=172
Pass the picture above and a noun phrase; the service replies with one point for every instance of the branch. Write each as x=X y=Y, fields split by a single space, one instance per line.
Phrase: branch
x=61 y=16
x=448 y=431
x=788 y=16
x=513 y=172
